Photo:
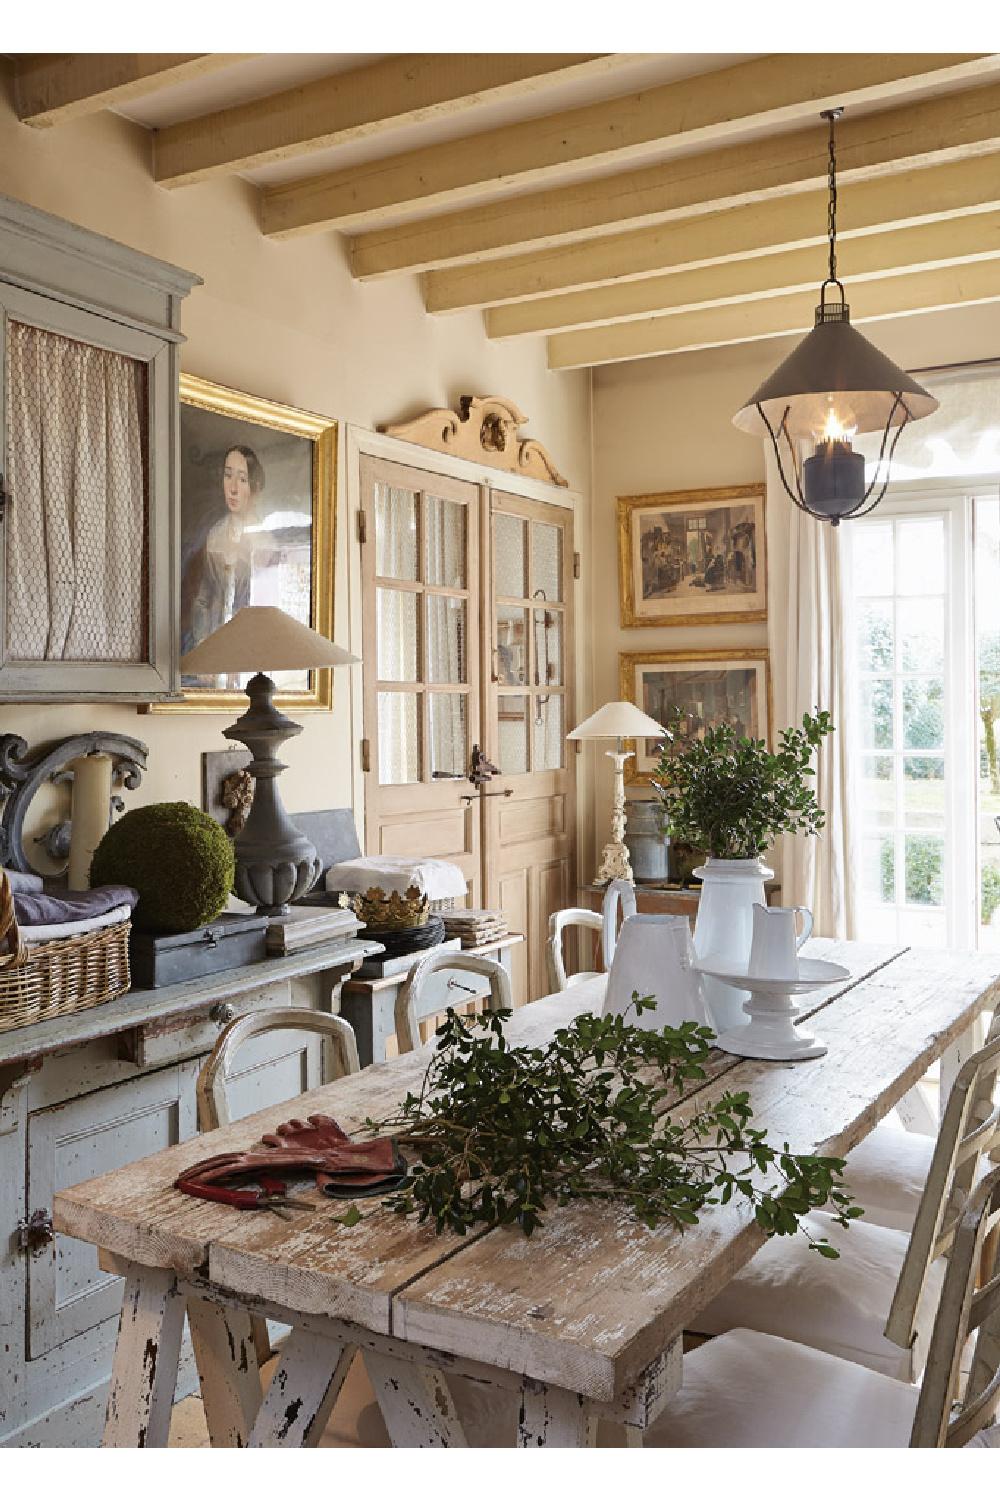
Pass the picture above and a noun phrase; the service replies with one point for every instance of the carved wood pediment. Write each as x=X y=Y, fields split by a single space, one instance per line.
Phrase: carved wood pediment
x=484 y=429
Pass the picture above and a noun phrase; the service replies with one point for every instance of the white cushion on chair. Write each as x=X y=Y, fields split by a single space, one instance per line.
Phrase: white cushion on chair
x=839 y=1306
x=886 y=1173
x=748 y=1390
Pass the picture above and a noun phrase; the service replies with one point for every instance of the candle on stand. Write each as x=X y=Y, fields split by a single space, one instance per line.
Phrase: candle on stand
x=91 y=815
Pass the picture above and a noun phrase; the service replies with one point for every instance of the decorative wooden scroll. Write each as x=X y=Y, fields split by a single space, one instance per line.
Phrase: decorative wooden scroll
x=484 y=429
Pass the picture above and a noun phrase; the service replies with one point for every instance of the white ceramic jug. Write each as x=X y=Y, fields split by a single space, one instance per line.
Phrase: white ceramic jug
x=654 y=956
x=619 y=893
x=723 y=929
x=775 y=944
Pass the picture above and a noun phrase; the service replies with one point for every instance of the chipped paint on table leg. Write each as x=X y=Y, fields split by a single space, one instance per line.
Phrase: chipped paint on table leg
x=226 y=1354
x=415 y=1402
x=144 y=1372
x=551 y=1417
x=302 y=1392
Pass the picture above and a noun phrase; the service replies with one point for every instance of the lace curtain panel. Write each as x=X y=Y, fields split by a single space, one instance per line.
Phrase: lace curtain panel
x=77 y=523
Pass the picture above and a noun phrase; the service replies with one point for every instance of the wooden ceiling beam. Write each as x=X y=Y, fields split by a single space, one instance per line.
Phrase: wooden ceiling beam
x=951 y=127
x=949 y=242
x=688 y=114
x=789 y=314
x=923 y=197
x=49 y=89
x=358 y=105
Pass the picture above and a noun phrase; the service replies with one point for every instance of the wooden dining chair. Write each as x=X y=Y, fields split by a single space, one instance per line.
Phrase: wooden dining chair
x=620 y=894
x=427 y=993
x=876 y=1304
x=748 y=1389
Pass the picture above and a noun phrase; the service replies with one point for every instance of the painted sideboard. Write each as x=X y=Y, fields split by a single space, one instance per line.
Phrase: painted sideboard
x=93 y=1091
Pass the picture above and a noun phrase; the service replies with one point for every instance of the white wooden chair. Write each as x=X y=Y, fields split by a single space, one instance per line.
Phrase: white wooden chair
x=426 y=994
x=619 y=892
x=213 y=1104
x=876 y=1304
x=748 y=1389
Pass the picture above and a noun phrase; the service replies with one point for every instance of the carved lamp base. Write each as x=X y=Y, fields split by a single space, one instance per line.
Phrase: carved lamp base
x=614 y=864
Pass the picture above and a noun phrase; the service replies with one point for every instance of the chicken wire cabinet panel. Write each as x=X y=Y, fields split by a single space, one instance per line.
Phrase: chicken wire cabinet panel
x=89 y=423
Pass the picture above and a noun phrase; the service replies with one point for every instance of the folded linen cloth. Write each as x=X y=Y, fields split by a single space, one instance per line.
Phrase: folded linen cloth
x=71 y=906
x=24 y=880
x=436 y=879
x=46 y=933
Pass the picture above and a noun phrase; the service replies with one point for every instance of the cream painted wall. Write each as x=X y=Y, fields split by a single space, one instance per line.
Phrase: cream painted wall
x=286 y=322
x=665 y=424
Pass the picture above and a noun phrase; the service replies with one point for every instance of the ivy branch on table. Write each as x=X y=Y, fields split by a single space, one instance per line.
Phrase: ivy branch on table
x=501 y=1132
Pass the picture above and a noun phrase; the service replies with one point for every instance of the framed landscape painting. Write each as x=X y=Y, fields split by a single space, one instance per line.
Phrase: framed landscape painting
x=709 y=687
x=694 y=557
x=257 y=520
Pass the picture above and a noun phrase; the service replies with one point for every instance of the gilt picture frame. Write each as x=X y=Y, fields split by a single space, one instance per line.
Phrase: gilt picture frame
x=692 y=557
x=257 y=525
x=724 y=684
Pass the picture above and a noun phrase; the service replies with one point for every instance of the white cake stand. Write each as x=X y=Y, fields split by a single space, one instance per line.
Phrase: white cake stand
x=771 y=1033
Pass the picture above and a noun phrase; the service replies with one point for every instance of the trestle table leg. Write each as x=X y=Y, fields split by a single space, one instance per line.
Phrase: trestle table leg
x=144 y=1372
x=416 y=1403
x=551 y=1417
x=302 y=1392
x=226 y=1353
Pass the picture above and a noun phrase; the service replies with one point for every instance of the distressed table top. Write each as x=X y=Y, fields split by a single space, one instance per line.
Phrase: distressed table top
x=593 y=1296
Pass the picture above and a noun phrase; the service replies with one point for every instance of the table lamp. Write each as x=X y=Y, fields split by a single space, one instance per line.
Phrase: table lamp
x=275 y=863
x=617 y=721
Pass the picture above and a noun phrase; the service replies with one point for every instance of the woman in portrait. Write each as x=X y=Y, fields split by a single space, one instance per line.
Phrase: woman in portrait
x=228 y=554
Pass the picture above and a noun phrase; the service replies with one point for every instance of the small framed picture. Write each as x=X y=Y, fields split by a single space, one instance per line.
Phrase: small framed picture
x=709 y=687
x=695 y=557
x=257 y=526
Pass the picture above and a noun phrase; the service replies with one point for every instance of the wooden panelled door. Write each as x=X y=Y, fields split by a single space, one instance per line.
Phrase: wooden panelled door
x=427 y=645
x=420 y=579
x=528 y=835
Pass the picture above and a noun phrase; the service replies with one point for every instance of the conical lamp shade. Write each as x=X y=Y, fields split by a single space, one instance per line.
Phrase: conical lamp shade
x=618 y=721
x=835 y=366
x=261 y=638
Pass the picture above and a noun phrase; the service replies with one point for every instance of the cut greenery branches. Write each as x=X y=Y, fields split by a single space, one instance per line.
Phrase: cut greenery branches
x=731 y=796
x=499 y=1133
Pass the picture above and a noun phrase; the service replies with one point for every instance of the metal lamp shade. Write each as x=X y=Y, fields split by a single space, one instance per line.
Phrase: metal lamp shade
x=835 y=366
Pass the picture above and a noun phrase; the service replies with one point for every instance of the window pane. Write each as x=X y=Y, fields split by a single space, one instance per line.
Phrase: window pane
x=923 y=713
x=449 y=743
x=398 y=738
x=875 y=637
x=878 y=865
x=546 y=561
x=924 y=869
x=921 y=635
x=876 y=714
x=395 y=532
x=921 y=556
x=398 y=642
x=548 y=717
x=989 y=904
x=548 y=668
x=510 y=556
x=923 y=791
x=873 y=552
x=878 y=791
x=444 y=563
x=512 y=630
x=512 y=735
x=446 y=639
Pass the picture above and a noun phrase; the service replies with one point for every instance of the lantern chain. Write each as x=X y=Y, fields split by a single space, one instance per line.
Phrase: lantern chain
x=832 y=115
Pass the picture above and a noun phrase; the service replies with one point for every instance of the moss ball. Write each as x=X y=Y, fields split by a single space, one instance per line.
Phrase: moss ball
x=177 y=858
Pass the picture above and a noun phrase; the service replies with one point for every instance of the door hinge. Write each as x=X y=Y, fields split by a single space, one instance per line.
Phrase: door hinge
x=362 y=527
x=4 y=498
x=366 y=755
x=576 y=564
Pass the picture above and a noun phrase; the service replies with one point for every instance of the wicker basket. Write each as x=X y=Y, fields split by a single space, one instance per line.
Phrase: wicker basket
x=60 y=977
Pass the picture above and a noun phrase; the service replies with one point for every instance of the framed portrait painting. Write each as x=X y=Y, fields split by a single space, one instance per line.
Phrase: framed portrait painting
x=257 y=526
x=729 y=686
x=696 y=557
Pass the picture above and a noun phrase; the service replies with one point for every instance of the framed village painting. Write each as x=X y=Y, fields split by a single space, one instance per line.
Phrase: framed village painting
x=713 y=687
x=257 y=526
x=695 y=557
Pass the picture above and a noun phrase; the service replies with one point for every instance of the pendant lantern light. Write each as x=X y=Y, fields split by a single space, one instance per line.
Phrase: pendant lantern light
x=833 y=385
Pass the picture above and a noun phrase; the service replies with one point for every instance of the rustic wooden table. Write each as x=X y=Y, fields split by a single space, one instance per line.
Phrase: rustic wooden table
x=584 y=1319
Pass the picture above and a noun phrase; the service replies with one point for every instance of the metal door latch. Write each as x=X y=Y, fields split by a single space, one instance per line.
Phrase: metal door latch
x=32 y=1235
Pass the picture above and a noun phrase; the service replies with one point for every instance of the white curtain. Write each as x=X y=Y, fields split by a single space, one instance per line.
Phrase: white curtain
x=76 y=552
x=809 y=657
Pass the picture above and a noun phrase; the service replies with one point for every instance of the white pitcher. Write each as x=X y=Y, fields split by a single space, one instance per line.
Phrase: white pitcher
x=619 y=892
x=775 y=944
x=654 y=956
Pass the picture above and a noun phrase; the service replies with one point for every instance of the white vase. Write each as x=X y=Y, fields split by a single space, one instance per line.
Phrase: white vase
x=654 y=956
x=723 y=929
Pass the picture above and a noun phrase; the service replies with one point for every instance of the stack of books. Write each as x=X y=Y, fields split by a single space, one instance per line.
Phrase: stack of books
x=474 y=926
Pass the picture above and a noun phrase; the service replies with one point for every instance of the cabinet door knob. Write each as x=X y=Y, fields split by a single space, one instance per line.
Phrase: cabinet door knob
x=32 y=1235
x=222 y=1013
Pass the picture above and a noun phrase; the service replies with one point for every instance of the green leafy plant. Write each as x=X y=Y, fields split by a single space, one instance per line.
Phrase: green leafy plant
x=731 y=796
x=598 y=1114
